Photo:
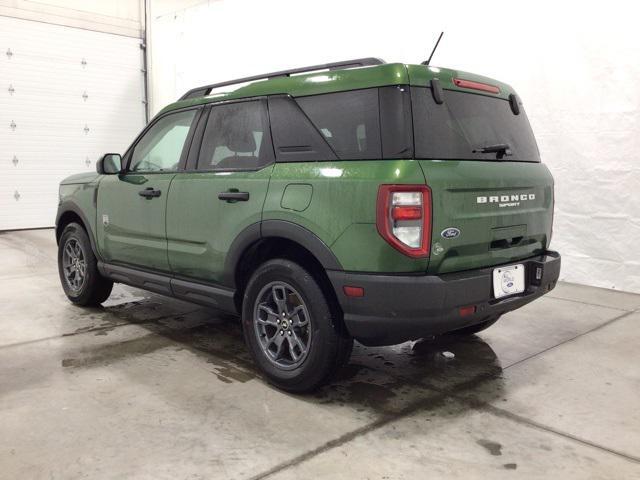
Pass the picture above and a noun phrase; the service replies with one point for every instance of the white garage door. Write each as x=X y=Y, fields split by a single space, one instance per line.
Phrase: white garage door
x=67 y=96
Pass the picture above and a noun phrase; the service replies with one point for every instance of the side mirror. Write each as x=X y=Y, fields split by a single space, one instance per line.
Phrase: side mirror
x=109 y=164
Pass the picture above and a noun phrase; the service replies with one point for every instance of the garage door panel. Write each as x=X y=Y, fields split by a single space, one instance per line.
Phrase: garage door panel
x=68 y=75
x=62 y=90
x=30 y=163
x=26 y=204
x=58 y=44
x=69 y=127
x=75 y=94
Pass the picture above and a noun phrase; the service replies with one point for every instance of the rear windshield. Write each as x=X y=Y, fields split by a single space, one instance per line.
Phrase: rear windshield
x=466 y=123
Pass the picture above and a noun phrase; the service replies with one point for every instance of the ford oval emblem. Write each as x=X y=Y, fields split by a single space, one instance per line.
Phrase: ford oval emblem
x=450 y=232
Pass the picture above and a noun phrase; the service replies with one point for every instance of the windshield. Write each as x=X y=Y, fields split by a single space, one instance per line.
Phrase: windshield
x=469 y=126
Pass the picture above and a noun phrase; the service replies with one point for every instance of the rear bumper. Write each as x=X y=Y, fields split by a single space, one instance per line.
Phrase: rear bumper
x=396 y=308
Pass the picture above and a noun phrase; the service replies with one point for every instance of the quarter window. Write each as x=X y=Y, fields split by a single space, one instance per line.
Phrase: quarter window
x=237 y=137
x=160 y=149
x=348 y=121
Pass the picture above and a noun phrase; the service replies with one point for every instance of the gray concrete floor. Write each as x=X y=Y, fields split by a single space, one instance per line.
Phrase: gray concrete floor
x=150 y=387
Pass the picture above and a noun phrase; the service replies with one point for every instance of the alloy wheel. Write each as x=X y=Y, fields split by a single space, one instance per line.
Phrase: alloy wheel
x=74 y=264
x=282 y=324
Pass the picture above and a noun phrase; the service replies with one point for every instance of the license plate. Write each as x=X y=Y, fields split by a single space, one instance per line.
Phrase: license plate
x=508 y=280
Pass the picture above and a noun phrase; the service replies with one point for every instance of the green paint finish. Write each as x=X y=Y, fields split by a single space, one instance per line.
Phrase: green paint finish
x=201 y=228
x=345 y=194
x=524 y=224
x=337 y=202
x=131 y=228
x=361 y=249
x=189 y=231
x=81 y=194
x=81 y=178
x=297 y=196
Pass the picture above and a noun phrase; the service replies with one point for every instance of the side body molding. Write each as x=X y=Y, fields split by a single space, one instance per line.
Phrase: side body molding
x=165 y=284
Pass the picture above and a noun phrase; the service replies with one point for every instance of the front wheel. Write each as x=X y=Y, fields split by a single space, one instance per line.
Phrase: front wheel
x=290 y=329
x=78 y=268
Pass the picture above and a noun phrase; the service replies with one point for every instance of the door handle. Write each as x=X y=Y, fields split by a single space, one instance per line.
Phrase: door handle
x=149 y=193
x=234 y=196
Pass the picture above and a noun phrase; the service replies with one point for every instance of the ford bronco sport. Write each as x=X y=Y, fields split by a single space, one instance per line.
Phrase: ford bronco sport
x=354 y=200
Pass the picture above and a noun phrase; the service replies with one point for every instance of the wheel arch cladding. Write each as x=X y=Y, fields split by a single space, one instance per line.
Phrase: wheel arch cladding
x=281 y=239
x=67 y=217
x=279 y=231
x=70 y=213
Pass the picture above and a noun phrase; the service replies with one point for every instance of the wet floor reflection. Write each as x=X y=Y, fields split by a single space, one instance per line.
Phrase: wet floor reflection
x=380 y=380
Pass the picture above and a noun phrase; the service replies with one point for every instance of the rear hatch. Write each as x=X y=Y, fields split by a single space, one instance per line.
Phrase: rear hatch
x=492 y=198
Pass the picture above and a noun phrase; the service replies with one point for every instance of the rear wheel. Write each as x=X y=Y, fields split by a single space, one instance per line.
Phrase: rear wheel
x=290 y=329
x=78 y=268
x=478 y=327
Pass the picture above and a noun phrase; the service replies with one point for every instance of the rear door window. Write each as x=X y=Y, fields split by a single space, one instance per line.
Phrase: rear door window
x=465 y=123
x=348 y=121
x=236 y=137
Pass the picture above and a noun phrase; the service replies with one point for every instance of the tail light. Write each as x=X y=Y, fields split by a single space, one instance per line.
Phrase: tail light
x=404 y=218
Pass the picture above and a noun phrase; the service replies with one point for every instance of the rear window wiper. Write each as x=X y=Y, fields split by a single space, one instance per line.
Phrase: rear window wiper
x=500 y=149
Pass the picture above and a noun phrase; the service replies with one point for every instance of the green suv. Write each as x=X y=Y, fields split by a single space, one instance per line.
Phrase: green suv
x=355 y=200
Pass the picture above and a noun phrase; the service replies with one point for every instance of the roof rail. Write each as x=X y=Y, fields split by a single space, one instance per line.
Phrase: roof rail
x=359 y=62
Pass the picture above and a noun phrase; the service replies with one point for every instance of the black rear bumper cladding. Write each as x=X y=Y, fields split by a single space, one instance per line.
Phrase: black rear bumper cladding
x=396 y=308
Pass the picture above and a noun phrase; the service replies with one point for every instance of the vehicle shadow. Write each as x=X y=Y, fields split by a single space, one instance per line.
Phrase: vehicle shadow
x=415 y=375
x=376 y=380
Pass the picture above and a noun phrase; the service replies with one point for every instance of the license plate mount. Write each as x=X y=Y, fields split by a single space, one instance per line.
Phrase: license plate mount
x=508 y=280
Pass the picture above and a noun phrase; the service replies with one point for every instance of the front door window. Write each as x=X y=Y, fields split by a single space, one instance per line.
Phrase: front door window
x=159 y=150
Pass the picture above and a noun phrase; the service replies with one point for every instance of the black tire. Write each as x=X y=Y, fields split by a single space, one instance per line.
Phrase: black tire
x=329 y=345
x=345 y=354
x=478 y=327
x=93 y=288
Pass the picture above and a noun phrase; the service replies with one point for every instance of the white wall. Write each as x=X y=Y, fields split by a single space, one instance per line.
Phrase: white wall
x=576 y=66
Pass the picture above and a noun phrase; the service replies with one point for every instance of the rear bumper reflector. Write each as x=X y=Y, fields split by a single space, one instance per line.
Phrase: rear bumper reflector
x=350 y=291
x=465 y=311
